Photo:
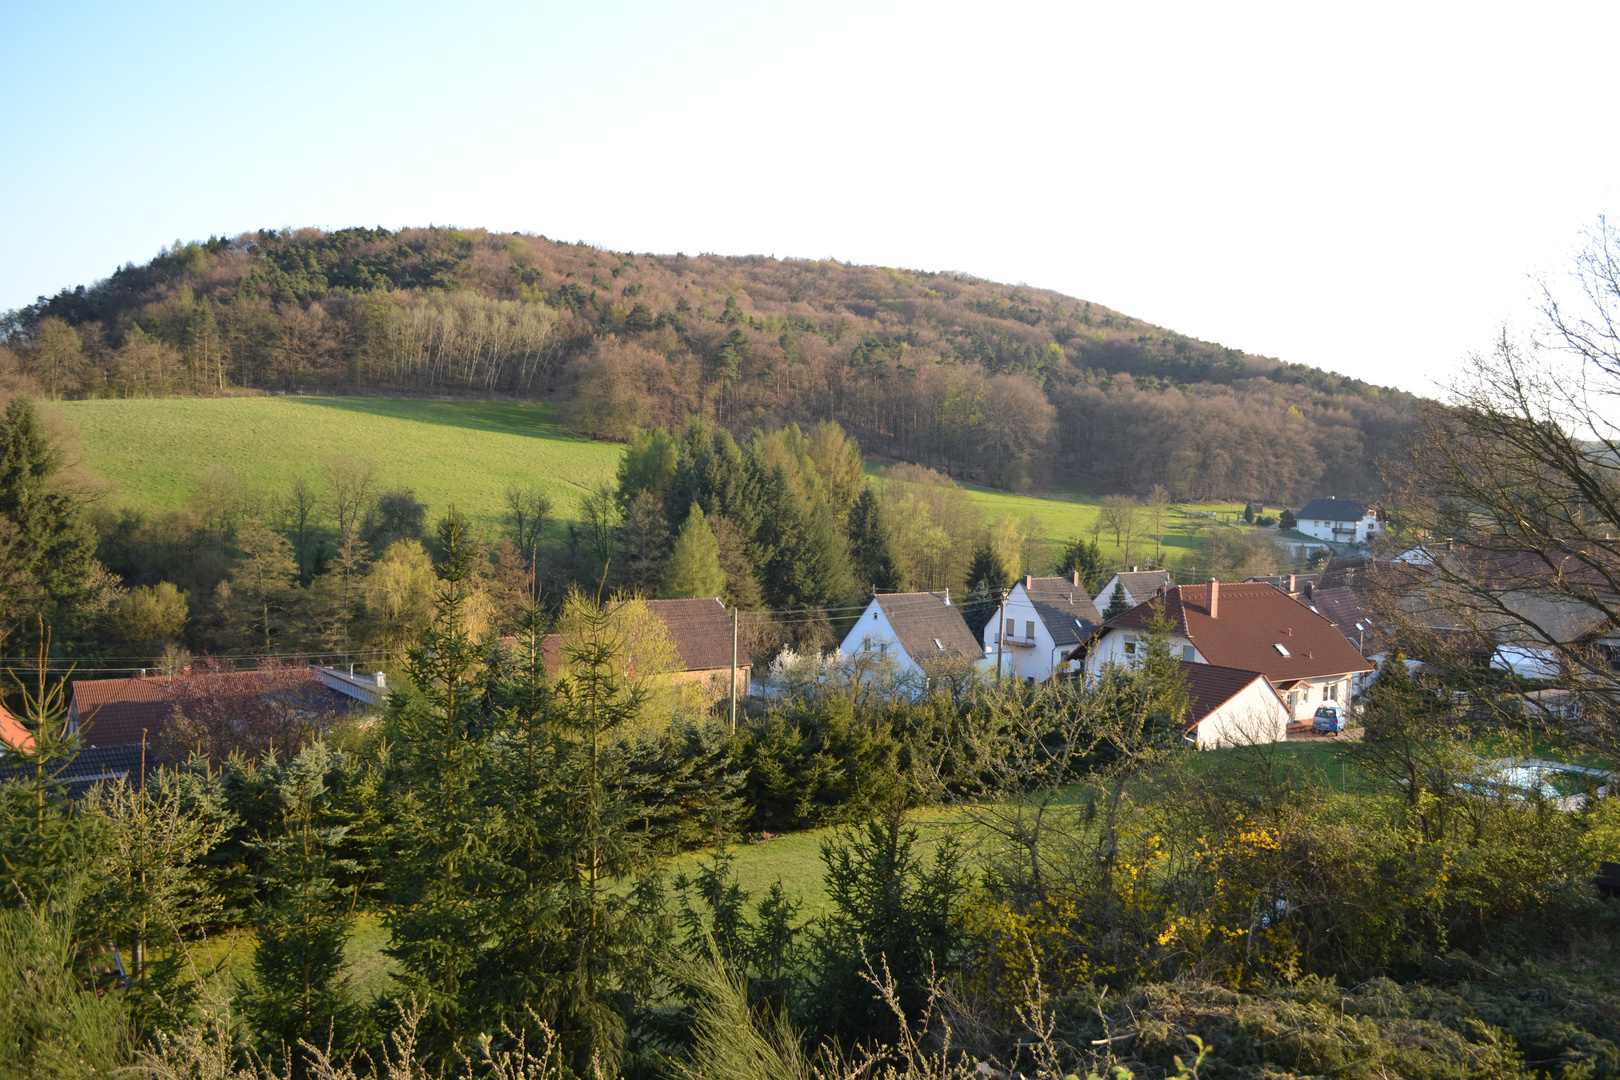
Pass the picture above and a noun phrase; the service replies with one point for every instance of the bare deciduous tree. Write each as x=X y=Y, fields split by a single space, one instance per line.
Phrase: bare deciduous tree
x=349 y=489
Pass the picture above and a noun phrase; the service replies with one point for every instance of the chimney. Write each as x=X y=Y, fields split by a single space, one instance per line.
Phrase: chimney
x=1293 y=583
x=382 y=680
x=1214 y=598
x=1029 y=581
x=947 y=596
x=1074 y=579
x=1133 y=569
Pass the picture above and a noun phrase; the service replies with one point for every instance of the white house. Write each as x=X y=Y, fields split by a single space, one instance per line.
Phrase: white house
x=1232 y=707
x=1040 y=624
x=1137 y=587
x=918 y=631
x=1341 y=521
x=1248 y=627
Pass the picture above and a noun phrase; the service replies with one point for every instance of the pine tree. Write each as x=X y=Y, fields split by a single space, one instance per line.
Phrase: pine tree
x=694 y=565
x=987 y=568
x=261 y=597
x=871 y=546
x=1117 y=604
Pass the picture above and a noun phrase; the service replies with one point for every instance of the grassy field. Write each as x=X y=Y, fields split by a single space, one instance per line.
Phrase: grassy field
x=153 y=451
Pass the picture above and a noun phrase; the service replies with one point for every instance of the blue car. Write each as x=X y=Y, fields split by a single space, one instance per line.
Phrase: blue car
x=1329 y=718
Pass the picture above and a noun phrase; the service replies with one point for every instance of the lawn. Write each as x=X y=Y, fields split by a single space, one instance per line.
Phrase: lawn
x=152 y=451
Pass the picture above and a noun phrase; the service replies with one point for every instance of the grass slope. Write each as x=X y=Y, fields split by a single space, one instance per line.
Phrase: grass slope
x=467 y=452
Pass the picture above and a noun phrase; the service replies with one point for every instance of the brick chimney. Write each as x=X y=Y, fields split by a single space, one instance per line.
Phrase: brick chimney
x=1029 y=581
x=1074 y=579
x=1214 y=598
x=1293 y=583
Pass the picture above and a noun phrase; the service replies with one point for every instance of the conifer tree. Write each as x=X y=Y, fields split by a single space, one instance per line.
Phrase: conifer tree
x=871 y=546
x=261 y=597
x=694 y=565
x=1117 y=604
x=987 y=568
x=1084 y=557
x=301 y=924
x=56 y=543
x=443 y=860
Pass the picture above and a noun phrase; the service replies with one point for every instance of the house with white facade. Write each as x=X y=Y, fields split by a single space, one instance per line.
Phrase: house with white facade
x=1039 y=625
x=1249 y=627
x=1232 y=707
x=1136 y=587
x=919 y=632
x=1340 y=521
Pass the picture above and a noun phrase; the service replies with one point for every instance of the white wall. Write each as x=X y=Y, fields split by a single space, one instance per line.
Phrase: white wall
x=1112 y=647
x=1256 y=715
x=1024 y=656
x=1323 y=530
x=1310 y=693
x=874 y=633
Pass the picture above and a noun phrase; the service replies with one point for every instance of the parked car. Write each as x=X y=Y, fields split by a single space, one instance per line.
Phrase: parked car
x=1330 y=718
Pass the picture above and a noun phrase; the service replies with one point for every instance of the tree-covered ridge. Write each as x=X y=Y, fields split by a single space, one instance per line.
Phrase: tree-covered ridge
x=994 y=382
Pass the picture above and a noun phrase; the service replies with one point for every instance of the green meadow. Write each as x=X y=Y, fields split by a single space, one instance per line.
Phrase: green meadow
x=152 y=451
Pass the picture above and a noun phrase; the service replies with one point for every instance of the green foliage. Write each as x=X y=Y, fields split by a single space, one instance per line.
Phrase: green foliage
x=871 y=546
x=989 y=569
x=1117 y=602
x=811 y=763
x=1287 y=520
x=47 y=543
x=50 y=1028
x=1083 y=557
x=694 y=564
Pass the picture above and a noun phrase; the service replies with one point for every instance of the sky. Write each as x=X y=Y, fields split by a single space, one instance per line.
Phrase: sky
x=1369 y=188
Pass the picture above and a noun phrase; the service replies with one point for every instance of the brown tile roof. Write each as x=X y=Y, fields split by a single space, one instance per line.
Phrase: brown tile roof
x=1059 y=602
x=1212 y=686
x=1253 y=620
x=1341 y=607
x=929 y=627
x=119 y=712
x=700 y=629
x=702 y=632
x=116 y=712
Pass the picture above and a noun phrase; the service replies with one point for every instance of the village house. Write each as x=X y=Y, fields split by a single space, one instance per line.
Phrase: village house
x=919 y=632
x=1339 y=521
x=130 y=712
x=1248 y=627
x=700 y=629
x=1136 y=587
x=1039 y=625
x=1232 y=707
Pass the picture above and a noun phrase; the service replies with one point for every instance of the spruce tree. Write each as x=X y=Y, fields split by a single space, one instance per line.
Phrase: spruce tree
x=871 y=547
x=988 y=569
x=1084 y=557
x=1117 y=604
x=56 y=543
x=694 y=565
x=442 y=864
x=301 y=924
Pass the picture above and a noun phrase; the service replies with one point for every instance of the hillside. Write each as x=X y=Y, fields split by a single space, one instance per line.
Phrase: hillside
x=1004 y=385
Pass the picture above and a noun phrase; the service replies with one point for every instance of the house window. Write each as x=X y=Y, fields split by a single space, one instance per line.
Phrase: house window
x=1130 y=648
x=1188 y=653
x=1012 y=628
x=883 y=648
x=1029 y=629
x=1330 y=692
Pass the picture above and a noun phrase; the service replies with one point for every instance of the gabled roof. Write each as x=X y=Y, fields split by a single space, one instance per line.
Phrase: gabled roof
x=1332 y=509
x=929 y=627
x=1340 y=606
x=701 y=629
x=1140 y=584
x=1212 y=686
x=1256 y=625
x=126 y=712
x=1058 y=602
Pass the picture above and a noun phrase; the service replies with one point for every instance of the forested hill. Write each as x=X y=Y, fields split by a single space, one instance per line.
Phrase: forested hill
x=997 y=383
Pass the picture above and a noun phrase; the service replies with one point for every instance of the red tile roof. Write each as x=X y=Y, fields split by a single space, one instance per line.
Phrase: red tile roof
x=12 y=731
x=126 y=712
x=1212 y=686
x=1252 y=621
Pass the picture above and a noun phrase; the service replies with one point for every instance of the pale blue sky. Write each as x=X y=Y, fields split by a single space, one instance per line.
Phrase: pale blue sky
x=1367 y=188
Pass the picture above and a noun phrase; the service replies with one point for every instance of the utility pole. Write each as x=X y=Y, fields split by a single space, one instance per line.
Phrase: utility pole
x=733 y=669
x=1001 y=626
